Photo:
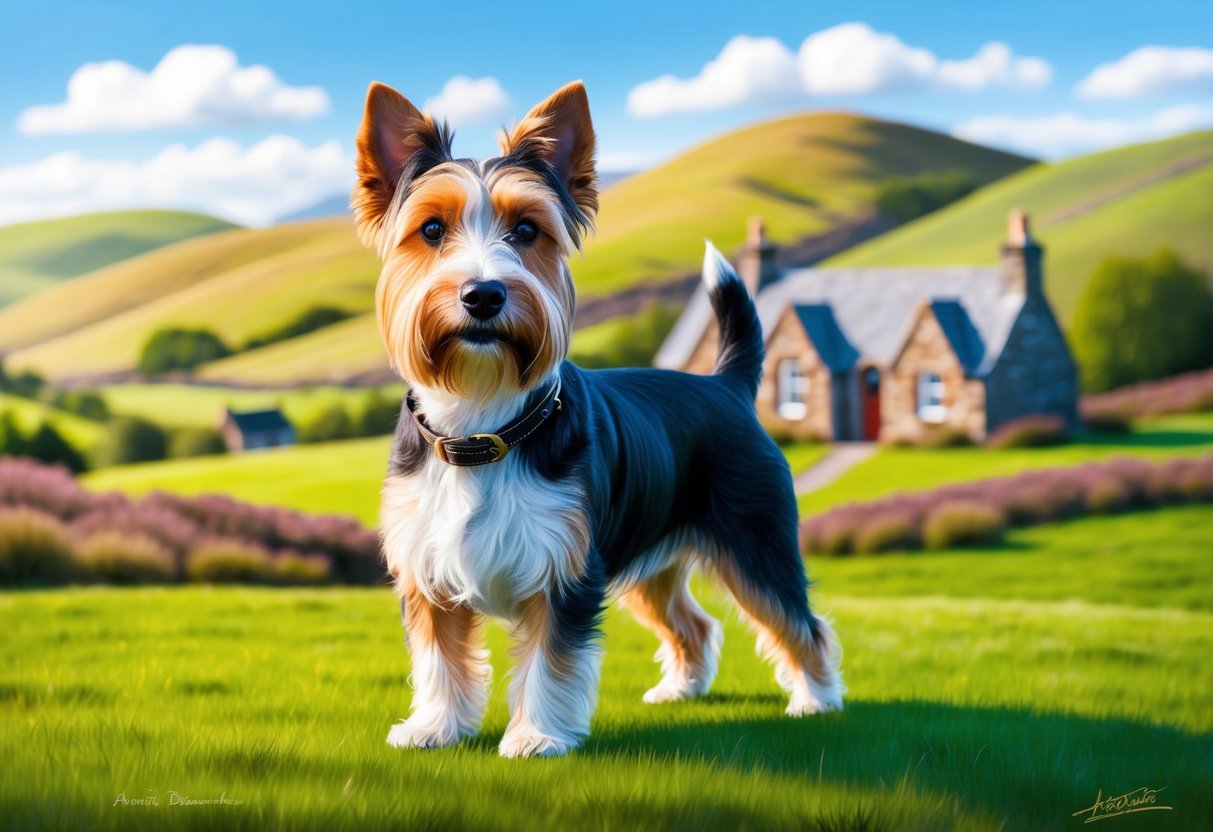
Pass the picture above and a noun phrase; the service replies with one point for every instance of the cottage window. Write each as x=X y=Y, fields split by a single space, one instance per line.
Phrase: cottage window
x=793 y=390
x=930 y=398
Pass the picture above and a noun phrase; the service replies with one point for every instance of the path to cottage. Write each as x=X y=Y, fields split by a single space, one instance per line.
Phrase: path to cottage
x=842 y=457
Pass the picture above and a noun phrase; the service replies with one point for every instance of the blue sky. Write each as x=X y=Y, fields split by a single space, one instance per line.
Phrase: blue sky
x=531 y=48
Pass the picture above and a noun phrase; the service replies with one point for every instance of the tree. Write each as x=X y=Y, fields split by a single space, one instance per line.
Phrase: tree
x=180 y=349
x=131 y=439
x=12 y=440
x=1142 y=319
x=379 y=414
x=332 y=423
x=47 y=445
x=196 y=442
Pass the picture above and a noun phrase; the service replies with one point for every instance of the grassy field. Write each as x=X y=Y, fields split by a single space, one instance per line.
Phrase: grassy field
x=988 y=690
x=38 y=255
x=1125 y=201
x=83 y=433
x=193 y=405
x=344 y=477
x=914 y=469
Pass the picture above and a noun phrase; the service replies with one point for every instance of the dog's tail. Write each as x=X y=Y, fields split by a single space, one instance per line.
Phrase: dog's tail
x=741 y=346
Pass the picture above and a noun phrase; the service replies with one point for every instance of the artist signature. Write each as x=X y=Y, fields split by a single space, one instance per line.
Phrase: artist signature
x=1143 y=799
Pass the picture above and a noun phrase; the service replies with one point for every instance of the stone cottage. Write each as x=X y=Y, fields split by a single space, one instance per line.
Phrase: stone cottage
x=892 y=353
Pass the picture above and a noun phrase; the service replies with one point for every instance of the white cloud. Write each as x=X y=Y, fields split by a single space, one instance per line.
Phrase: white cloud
x=192 y=85
x=254 y=186
x=747 y=71
x=848 y=59
x=465 y=100
x=1064 y=134
x=1151 y=70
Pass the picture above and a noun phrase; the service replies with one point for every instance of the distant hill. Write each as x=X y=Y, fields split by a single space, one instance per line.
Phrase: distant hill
x=238 y=284
x=1125 y=201
x=337 y=205
x=806 y=175
x=36 y=255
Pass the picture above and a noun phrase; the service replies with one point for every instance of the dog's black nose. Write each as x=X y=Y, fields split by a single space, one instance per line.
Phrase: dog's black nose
x=483 y=299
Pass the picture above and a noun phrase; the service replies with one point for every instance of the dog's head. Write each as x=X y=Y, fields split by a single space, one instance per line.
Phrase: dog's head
x=475 y=296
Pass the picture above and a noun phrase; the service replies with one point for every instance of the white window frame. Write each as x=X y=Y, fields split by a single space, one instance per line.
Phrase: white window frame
x=791 y=390
x=930 y=398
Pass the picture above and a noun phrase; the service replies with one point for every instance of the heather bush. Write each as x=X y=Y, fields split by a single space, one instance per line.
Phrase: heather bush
x=962 y=513
x=1188 y=393
x=34 y=549
x=962 y=524
x=229 y=562
x=891 y=532
x=1108 y=497
x=294 y=569
x=1029 y=432
x=944 y=436
x=121 y=558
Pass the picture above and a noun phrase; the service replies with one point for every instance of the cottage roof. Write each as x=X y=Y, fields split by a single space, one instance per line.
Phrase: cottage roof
x=260 y=421
x=828 y=339
x=874 y=308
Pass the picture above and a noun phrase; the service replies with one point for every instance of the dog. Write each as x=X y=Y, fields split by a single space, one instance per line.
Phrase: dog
x=525 y=488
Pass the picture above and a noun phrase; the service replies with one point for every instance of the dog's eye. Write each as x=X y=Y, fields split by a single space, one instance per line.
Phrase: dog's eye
x=522 y=233
x=433 y=230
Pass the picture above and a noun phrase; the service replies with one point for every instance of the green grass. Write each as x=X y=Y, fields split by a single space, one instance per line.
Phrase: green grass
x=988 y=704
x=328 y=478
x=198 y=406
x=1131 y=217
x=82 y=433
x=38 y=255
x=914 y=469
x=344 y=477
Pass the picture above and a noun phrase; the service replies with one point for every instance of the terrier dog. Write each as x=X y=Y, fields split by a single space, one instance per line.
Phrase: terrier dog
x=525 y=488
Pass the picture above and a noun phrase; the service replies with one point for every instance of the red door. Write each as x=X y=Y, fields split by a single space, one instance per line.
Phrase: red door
x=869 y=385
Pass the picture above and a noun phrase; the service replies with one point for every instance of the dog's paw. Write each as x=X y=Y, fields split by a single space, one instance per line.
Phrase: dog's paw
x=808 y=707
x=672 y=690
x=528 y=741
x=411 y=735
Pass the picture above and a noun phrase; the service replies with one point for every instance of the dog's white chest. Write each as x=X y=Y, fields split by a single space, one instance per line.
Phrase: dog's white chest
x=489 y=536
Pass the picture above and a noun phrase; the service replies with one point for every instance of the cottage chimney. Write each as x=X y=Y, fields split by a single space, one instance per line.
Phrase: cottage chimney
x=1021 y=258
x=756 y=261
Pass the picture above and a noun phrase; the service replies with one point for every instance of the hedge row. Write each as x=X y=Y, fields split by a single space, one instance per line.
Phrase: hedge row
x=977 y=513
x=1188 y=393
x=201 y=538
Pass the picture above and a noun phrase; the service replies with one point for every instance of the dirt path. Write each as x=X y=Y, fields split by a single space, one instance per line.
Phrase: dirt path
x=1155 y=176
x=842 y=458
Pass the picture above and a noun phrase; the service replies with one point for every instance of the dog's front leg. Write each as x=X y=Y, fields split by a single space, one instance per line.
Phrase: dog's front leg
x=555 y=682
x=450 y=673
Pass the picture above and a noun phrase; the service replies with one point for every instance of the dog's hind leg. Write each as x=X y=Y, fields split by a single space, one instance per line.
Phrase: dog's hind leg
x=690 y=638
x=450 y=673
x=771 y=589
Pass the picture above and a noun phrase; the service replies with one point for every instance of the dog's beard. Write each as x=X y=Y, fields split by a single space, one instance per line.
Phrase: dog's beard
x=437 y=346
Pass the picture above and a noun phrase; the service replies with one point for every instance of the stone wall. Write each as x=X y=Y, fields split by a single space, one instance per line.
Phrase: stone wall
x=927 y=350
x=789 y=340
x=1036 y=373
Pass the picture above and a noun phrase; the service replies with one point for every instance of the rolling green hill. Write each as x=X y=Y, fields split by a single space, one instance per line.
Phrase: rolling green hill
x=37 y=255
x=805 y=175
x=1125 y=201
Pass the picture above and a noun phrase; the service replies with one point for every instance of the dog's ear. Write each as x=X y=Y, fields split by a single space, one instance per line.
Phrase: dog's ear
x=559 y=131
x=393 y=134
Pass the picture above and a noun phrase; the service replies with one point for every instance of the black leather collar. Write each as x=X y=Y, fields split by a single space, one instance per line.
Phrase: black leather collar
x=485 y=448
